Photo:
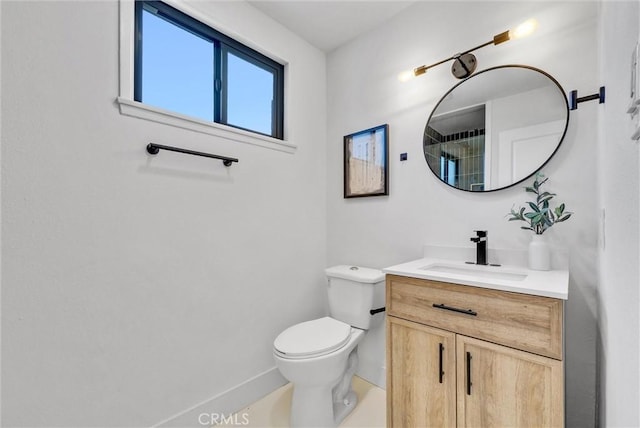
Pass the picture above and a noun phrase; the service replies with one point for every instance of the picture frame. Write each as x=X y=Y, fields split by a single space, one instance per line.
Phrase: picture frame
x=366 y=162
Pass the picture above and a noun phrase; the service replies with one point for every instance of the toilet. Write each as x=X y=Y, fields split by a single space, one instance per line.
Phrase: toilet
x=319 y=357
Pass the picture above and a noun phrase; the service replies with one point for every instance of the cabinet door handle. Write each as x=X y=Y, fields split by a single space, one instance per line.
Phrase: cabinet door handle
x=449 y=308
x=469 y=373
x=441 y=373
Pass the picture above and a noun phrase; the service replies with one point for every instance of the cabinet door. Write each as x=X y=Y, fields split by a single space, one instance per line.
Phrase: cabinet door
x=421 y=375
x=500 y=387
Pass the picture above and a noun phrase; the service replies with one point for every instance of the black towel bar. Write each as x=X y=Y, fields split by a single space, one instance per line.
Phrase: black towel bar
x=153 y=149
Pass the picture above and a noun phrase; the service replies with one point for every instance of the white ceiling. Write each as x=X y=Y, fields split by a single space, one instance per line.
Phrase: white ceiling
x=329 y=24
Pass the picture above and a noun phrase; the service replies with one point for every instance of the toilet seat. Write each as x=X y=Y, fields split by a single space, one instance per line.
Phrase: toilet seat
x=312 y=338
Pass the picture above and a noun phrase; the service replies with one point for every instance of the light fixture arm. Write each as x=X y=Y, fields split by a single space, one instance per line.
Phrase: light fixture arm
x=465 y=62
x=423 y=68
x=490 y=42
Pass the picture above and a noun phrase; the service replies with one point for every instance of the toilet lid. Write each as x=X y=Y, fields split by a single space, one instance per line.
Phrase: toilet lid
x=311 y=338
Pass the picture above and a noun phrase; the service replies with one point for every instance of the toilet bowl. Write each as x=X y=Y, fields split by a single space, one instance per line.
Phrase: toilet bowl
x=320 y=357
x=320 y=370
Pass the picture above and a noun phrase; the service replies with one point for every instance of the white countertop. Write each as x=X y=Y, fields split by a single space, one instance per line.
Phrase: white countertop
x=552 y=283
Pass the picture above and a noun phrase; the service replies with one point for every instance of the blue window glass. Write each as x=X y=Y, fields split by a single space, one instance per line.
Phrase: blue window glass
x=249 y=95
x=177 y=68
x=185 y=66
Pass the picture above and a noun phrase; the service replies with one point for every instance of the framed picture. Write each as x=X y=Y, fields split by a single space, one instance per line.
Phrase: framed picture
x=366 y=163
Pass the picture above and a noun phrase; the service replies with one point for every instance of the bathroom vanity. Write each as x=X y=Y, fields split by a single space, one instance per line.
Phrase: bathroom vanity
x=472 y=345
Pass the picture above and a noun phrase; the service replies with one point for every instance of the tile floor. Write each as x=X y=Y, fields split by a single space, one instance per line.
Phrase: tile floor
x=273 y=410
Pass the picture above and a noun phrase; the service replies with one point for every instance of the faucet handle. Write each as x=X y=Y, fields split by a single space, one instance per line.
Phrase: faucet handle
x=481 y=233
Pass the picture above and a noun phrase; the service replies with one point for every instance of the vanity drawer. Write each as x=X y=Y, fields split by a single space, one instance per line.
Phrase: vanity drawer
x=521 y=321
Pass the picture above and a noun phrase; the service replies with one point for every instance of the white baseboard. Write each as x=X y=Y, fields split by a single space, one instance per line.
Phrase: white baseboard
x=227 y=402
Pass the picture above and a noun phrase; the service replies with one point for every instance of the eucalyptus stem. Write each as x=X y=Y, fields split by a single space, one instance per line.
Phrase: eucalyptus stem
x=540 y=217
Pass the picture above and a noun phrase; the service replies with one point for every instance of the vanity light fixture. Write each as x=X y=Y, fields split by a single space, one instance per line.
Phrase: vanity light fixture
x=464 y=63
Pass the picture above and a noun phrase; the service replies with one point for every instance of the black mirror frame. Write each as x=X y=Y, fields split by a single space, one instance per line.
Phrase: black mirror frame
x=564 y=132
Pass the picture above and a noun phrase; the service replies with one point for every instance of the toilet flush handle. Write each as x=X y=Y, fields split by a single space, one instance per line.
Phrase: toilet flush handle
x=375 y=311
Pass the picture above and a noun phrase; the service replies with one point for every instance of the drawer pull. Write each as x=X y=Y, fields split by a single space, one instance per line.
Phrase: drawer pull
x=449 y=308
x=441 y=373
x=469 y=373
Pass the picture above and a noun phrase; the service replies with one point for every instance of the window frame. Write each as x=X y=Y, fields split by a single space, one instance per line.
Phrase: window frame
x=222 y=44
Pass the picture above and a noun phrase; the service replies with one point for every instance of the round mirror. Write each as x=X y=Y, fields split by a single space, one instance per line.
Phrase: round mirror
x=496 y=128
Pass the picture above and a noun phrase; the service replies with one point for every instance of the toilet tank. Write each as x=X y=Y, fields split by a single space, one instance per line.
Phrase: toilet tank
x=353 y=292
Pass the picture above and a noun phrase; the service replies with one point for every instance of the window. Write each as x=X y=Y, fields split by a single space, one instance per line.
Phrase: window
x=185 y=66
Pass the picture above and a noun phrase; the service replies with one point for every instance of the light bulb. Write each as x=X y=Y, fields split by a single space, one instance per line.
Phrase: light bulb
x=406 y=75
x=524 y=29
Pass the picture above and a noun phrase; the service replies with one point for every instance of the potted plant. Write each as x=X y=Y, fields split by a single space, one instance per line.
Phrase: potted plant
x=539 y=218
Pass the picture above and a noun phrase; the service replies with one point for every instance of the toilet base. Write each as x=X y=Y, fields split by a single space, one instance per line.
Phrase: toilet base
x=325 y=406
x=311 y=407
x=344 y=399
x=324 y=412
x=342 y=409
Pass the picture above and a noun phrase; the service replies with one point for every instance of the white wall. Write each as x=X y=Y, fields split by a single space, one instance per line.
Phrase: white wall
x=619 y=301
x=134 y=288
x=363 y=91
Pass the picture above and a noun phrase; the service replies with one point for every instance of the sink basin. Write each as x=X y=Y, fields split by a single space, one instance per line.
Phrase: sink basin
x=488 y=272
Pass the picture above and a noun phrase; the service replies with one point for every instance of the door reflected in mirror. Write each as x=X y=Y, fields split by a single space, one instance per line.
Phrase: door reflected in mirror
x=496 y=128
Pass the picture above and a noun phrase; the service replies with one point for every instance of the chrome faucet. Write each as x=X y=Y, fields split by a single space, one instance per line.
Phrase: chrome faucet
x=481 y=246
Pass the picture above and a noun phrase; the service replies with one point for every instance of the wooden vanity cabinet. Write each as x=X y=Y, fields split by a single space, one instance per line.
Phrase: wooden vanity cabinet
x=472 y=357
